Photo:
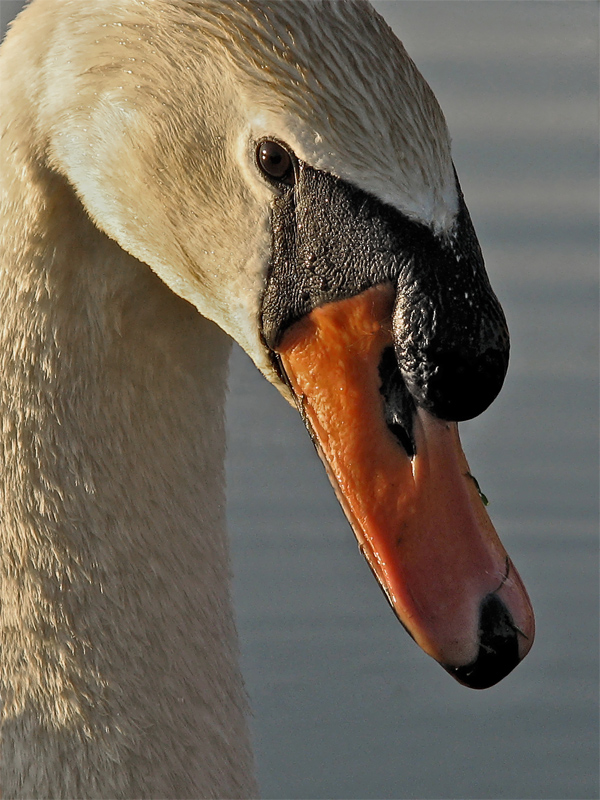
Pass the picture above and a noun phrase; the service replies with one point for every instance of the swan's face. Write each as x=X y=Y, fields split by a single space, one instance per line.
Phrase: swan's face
x=156 y=116
x=285 y=168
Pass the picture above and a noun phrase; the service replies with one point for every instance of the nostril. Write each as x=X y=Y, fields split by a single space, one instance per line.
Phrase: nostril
x=498 y=647
x=399 y=406
x=403 y=437
x=459 y=385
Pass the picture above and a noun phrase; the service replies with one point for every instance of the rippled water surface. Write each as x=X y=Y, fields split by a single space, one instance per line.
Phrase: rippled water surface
x=345 y=705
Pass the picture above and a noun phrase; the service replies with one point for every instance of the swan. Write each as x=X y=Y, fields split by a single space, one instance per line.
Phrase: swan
x=177 y=174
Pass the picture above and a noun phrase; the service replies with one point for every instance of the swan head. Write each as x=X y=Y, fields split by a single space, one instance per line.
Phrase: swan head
x=286 y=169
x=160 y=110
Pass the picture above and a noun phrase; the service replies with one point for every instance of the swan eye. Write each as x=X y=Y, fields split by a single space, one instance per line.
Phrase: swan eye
x=275 y=161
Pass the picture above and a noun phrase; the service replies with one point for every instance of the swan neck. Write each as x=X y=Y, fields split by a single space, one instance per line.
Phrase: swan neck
x=120 y=672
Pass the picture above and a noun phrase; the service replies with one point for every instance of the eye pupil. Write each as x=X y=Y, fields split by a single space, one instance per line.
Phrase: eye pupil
x=276 y=162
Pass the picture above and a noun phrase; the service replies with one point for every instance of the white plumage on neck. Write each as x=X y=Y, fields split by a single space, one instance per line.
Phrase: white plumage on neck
x=119 y=647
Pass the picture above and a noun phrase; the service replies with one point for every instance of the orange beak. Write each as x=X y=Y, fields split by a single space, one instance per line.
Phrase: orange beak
x=419 y=519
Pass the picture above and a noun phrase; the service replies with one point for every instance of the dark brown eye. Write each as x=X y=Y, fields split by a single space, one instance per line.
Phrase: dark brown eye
x=275 y=161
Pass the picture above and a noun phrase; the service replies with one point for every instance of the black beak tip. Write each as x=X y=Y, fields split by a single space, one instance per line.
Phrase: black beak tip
x=498 y=647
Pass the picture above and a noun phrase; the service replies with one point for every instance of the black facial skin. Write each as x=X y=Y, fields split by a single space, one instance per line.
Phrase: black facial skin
x=332 y=241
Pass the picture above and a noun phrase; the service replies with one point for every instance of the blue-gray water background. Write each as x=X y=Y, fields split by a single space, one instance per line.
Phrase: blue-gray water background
x=345 y=705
